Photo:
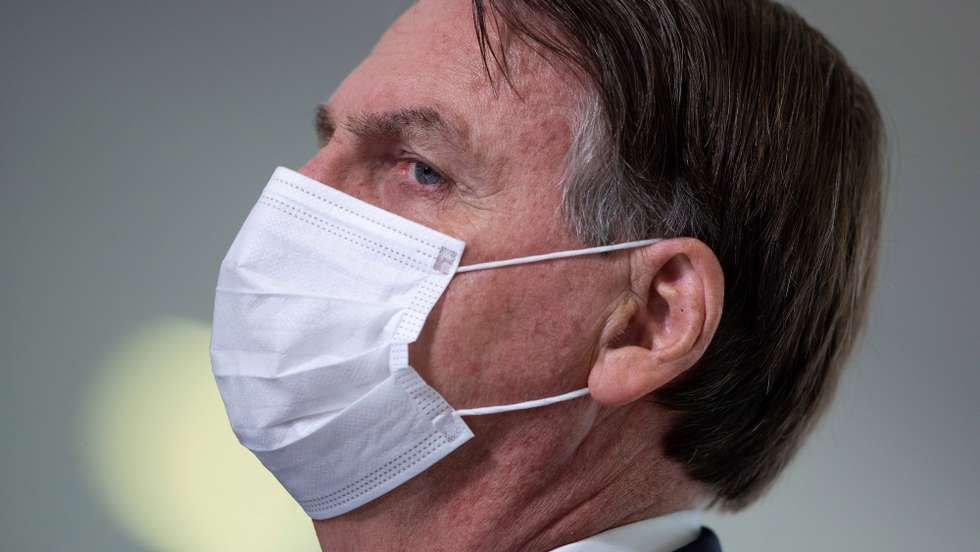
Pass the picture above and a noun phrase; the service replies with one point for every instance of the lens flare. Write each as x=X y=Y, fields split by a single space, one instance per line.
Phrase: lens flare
x=163 y=459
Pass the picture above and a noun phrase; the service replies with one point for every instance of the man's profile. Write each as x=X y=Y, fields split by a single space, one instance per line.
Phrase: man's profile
x=685 y=196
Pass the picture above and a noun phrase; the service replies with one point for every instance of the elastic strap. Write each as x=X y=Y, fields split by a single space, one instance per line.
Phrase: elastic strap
x=523 y=405
x=555 y=255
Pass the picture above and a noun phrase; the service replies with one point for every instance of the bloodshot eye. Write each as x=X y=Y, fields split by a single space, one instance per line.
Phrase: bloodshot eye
x=424 y=174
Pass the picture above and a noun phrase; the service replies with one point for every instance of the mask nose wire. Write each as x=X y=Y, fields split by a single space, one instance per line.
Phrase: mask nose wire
x=555 y=255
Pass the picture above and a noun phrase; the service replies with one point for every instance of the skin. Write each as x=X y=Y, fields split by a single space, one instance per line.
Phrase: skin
x=623 y=323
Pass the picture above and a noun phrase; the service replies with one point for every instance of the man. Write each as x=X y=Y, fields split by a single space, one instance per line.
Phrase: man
x=728 y=130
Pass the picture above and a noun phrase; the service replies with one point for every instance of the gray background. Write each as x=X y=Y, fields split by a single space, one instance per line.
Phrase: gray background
x=134 y=136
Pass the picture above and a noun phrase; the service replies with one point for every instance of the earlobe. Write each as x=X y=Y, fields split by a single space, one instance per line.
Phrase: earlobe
x=676 y=296
x=623 y=375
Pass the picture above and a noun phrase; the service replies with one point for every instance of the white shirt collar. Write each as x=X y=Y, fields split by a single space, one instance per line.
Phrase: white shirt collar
x=660 y=534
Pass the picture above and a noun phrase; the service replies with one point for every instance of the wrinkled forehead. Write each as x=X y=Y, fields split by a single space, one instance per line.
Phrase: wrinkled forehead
x=439 y=33
x=431 y=56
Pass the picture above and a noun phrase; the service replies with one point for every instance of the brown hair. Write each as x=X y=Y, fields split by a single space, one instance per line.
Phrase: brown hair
x=734 y=122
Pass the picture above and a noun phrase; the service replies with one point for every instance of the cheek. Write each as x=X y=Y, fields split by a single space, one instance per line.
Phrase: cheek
x=507 y=336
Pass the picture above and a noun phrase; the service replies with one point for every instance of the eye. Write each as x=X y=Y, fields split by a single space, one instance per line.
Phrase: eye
x=424 y=174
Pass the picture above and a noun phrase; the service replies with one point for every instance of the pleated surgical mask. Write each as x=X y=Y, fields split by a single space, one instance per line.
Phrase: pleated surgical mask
x=316 y=304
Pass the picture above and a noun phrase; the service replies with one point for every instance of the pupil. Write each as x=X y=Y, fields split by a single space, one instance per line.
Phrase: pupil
x=425 y=174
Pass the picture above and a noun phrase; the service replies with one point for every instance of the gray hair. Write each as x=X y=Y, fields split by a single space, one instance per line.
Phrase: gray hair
x=600 y=202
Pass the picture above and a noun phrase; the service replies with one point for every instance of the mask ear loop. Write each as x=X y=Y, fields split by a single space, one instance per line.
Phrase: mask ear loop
x=534 y=259
x=522 y=405
x=555 y=255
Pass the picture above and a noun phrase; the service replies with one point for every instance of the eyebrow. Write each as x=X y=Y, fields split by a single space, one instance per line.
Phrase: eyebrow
x=412 y=124
x=323 y=123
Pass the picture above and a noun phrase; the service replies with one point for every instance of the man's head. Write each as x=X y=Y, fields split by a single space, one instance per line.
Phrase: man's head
x=729 y=128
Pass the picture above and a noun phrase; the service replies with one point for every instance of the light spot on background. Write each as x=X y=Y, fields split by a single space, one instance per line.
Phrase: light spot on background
x=163 y=459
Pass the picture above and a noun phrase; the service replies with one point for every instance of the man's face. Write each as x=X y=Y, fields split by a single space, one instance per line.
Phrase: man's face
x=418 y=130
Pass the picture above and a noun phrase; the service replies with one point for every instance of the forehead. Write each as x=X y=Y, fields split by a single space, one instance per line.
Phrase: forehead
x=431 y=57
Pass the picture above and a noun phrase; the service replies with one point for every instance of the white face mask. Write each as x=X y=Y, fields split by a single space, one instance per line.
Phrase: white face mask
x=317 y=301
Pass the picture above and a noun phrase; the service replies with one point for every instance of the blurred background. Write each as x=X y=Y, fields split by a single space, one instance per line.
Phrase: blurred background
x=135 y=136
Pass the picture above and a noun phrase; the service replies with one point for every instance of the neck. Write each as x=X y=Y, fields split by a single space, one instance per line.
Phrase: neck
x=520 y=485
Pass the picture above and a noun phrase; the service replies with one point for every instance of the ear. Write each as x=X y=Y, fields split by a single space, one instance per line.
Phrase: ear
x=665 y=324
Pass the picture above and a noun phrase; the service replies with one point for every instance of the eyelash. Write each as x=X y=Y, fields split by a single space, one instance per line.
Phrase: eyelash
x=404 y=166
